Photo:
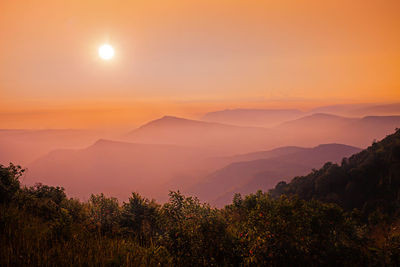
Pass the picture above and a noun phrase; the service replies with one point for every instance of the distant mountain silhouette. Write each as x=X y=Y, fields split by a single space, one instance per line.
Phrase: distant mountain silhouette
x=116 y=168
x=177 y=153
x=321 y=127
x=368 y=180
x=360 y=109
x=253 y=117
x=383 y=109
x=340 y=109
x=172 y=122
x=223 y=138
x=24 y=146
x=249 y=176
x=211 y=164
x=219 y=162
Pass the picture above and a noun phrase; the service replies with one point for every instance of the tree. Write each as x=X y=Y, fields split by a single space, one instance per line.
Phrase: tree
x=9 y=182
x=104 y=213
x=140 y=217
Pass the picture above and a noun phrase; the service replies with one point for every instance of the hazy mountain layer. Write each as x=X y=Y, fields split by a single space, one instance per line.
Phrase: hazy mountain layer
x=249 y=176
x=116 y=168
x=253 y=117
x=367 y=180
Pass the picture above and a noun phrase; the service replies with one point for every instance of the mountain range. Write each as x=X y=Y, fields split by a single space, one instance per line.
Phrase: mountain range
x=116 y=168
x=263 y=173
x=22 y=146
x=253 y=117
x=209 y=159
x=227 y=139
x=368 y=180
x=221 y=138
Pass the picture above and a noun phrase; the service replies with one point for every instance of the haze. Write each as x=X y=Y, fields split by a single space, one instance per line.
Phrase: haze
x=214 y=54
x=195 y=93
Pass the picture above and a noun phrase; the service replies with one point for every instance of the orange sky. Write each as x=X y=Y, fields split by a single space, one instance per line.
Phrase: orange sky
x=185 y=57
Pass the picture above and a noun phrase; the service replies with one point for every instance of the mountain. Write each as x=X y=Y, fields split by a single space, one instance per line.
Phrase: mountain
x=22 y=146
x=219 y=162
x=341 y=109
x=273 y=117
x=225 y=139
x=222 y=138
x=116 y=168
x=252 y=117
x=360 y=109
x=318 y=119
x=368 y=180
x=321 y=128
x=179 y=153
x=249 y=176
x=186 y=183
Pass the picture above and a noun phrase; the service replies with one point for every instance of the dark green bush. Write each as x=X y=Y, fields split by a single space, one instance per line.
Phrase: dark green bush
x=40 y=226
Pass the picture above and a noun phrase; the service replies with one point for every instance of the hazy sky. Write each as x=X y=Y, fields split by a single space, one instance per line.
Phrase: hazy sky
x=244 y=52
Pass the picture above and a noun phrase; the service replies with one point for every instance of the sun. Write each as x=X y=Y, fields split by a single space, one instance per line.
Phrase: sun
x=106 y=52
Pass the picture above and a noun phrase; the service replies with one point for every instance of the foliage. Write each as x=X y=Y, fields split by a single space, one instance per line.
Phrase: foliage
x=368 y=181
x=140 y=218
x=104 y=213
x=9 y=183
x=287 y=232
x=41 y=226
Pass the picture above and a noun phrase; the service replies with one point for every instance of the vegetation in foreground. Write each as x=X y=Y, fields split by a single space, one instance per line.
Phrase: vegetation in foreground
x=40 y=226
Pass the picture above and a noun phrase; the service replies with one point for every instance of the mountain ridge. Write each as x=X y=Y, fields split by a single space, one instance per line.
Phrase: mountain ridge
x=368 y=180
x=237 y=174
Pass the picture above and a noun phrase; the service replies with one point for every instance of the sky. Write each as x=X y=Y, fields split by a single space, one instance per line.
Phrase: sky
x=188 y=57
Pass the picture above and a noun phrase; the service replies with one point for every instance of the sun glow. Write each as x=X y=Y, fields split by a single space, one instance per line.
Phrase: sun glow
x=106 y=52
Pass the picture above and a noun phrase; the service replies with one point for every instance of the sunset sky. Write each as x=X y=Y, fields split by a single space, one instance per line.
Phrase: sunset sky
x=188 y=57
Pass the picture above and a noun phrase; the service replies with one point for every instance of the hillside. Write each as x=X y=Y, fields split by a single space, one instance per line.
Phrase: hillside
x=367 y=180
x=253 y=117
x=42 y=226
x=263 y=173
x=327 y=128
x=113 y=167
x=360 y=109
x=223 y=138
x=23 y=146
x=219 y=162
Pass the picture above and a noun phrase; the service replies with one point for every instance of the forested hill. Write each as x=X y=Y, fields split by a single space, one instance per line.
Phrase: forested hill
x=41 y=226
x=368 y=180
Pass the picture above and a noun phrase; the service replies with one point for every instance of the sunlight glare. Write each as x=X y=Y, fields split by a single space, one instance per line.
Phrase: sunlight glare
x=106 y=52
